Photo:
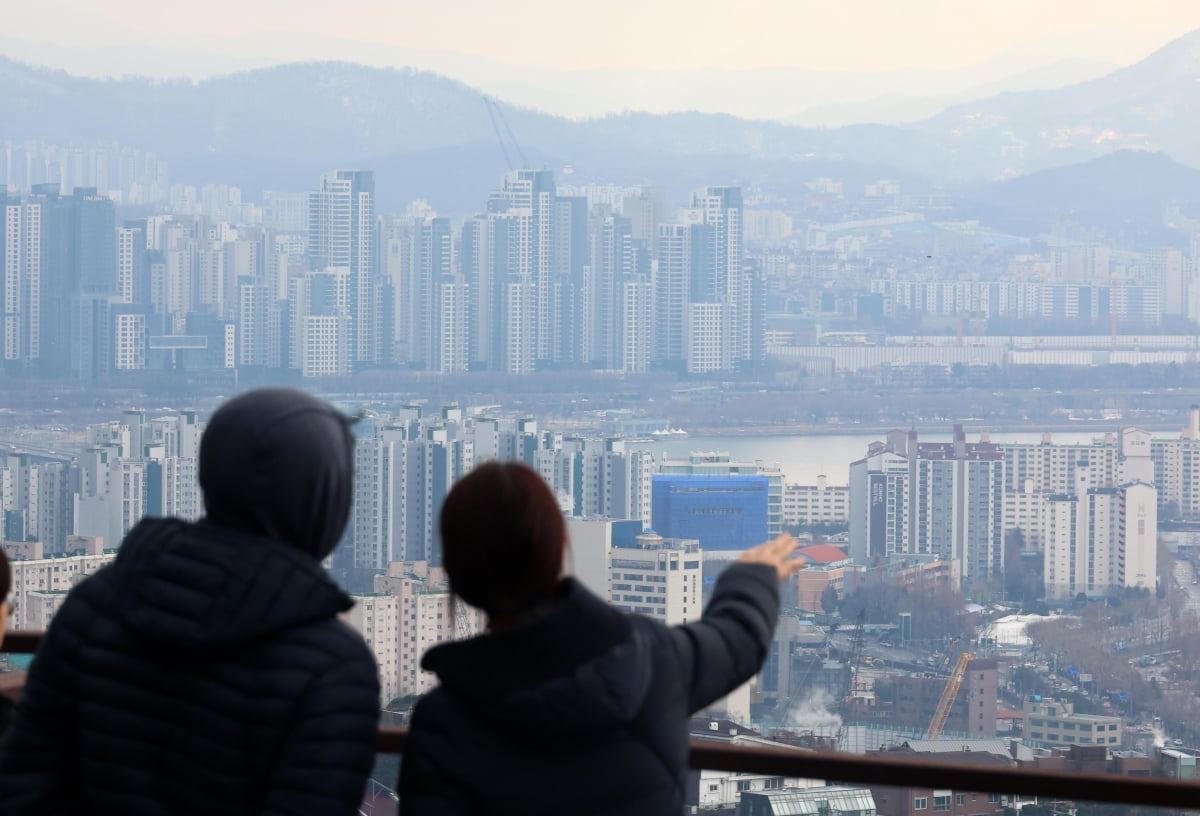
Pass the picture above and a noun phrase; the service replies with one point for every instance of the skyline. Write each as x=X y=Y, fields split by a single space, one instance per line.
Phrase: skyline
x=793 y=62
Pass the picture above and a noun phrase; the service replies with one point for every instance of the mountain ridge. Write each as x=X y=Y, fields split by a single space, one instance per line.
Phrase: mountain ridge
x=247 y=127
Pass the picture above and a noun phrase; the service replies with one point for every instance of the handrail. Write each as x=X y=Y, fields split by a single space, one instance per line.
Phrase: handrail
x=907 y=773
x=889 y=770
x=21 y=642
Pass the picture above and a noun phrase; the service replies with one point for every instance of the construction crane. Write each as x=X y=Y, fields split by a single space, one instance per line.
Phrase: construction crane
x=466 y=620
x=497 y=117
x=942 y=713
x=856 y=647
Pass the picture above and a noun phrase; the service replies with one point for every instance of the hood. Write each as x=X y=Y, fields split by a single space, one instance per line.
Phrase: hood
x=579 y=666
x=279 y=463
x=198 y=586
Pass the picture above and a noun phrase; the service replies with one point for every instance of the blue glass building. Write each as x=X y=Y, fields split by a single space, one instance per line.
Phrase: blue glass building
x=722 y=512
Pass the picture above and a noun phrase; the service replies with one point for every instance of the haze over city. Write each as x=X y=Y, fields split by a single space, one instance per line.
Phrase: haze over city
x=813 y=63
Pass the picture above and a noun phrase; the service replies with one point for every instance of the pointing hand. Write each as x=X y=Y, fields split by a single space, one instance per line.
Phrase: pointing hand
x=776 y=553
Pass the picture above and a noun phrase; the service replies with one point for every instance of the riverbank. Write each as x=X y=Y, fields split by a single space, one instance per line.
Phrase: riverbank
x=1099 y=428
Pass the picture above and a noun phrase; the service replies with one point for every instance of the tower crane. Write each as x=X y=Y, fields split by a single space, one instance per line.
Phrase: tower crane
x=497 y=117
x=946 y=702
x=856 y=648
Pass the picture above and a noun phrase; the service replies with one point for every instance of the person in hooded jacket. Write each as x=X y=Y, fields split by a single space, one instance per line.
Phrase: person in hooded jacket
x=566 y=704
x=206 y=670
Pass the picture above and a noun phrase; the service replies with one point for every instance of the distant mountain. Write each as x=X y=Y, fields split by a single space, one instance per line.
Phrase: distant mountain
x=305 y=111
x=1125 y=193
x=908 y=105
x=277 y=127
x=800 y=96
x=432 y=137
x=1151 y=105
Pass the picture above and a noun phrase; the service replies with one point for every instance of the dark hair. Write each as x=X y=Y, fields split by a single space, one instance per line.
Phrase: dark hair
x=503 y=536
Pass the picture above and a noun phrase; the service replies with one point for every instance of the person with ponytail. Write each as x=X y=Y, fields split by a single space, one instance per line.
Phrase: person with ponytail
x=566 y=704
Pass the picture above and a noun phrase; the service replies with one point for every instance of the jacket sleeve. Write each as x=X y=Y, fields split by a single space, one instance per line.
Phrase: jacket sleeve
x=729 y=643
x=39 y=756
x=427 y=785
x=328 y=756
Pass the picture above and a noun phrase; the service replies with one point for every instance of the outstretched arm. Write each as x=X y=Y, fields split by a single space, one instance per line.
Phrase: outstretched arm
x=729 y=643
x=329 y=753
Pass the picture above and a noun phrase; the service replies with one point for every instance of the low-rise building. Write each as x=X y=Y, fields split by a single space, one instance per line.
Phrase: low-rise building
x=814 y=505
x=1050 y=723
x=658 y=577
x=39 y=581
x=972 y=714
x=1095 y=759
x=1177 y=764
x=924 y=801
x=713 y=789
x=826 y=800
x=825 y=566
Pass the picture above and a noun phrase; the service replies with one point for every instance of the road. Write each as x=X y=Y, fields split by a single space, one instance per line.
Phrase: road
x=1185 y=579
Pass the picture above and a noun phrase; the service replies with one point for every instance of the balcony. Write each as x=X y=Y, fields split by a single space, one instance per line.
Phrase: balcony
x=881 y=770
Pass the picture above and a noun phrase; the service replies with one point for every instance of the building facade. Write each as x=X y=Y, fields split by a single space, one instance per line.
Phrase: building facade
x=723 y=513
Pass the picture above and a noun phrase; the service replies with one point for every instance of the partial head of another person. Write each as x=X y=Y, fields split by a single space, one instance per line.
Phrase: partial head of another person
x=279 y=463
x=503 y=537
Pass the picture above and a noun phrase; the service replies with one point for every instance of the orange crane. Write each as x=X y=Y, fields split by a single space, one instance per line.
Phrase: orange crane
x=942 y=713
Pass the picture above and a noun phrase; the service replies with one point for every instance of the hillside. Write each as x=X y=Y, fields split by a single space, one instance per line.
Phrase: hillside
x=264 y=126
x=1151 y=105
x=1125 y=192
x=431 y=137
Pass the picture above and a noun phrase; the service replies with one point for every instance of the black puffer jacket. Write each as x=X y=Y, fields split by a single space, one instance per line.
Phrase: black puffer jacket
x=203 y=672
x=581 y=710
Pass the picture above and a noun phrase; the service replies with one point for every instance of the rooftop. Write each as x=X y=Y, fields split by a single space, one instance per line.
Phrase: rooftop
x=823 y=554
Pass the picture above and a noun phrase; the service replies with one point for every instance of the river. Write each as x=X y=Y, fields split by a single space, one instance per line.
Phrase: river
x=803 y=458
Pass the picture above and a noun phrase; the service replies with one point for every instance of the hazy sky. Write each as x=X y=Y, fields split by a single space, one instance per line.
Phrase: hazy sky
x=852 y=35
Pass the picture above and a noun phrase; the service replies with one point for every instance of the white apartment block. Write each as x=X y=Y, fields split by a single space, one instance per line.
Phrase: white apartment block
x=942 y=498
x=325 y=345
x=614 y=481
x=1177 y=469
x=1051 y=468
x=1098 y=540
x=39 y=607
x=707 y=338
x=112 y=513
x=1023 y=511
x=822 y=503
x=427 y=616
x=452 y=352
x=588 y=555
x=129 y=342
x=637 y=314
x=377 y=618
x=37 y=578
x=181 y=496
x=659 y=578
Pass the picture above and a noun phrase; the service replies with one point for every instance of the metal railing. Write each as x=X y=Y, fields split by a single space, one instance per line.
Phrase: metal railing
x=887 y=770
